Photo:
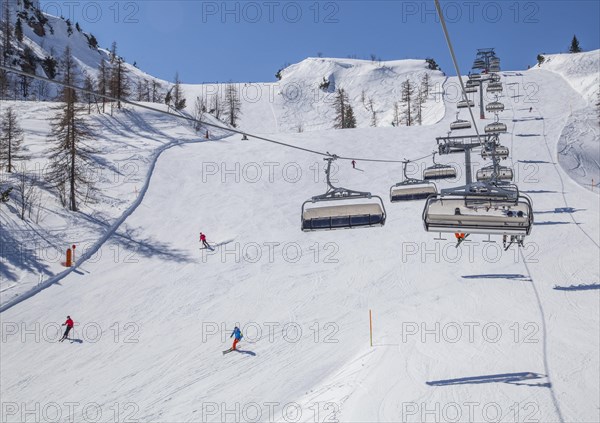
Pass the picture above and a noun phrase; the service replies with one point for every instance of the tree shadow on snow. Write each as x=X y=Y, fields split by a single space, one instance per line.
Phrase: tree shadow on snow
x=132 y=240
x=594 y=286
x=559 y=210
x=534 y=161
x=19 y=252
x=512 y=378
x=515 y=276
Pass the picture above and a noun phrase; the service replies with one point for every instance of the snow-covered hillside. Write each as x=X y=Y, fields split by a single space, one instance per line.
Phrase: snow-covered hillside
x=460 y=334
x=45 y=38
x=581 y=70
x=298 y=103
x=579 y=143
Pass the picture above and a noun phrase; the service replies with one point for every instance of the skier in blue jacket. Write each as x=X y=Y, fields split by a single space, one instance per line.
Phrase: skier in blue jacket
x=238 y=336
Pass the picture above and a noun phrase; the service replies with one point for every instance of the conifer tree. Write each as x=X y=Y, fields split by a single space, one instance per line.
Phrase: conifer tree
x=70 y=157
x=11 y=138
x=575 y=48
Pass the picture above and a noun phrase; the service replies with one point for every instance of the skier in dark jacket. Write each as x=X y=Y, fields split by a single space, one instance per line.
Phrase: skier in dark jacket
x=69 y=324
x=238 y=336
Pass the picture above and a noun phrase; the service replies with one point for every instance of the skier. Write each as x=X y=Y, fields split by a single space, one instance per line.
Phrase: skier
x=69 y=325
x=530 y=109
x=353 y=164
x=203 y=241
x=238 y=337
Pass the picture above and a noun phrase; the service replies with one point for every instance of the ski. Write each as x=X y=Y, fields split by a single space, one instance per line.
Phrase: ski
x=227 y=351
x=461 y=240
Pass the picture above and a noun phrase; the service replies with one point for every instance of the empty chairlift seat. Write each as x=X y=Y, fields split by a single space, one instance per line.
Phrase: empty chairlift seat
x=465 y=103
x=411 y=189
x=460 y=124
x=478 y=215
x=500 y=152
x=494 y=87
x=342 y=216
x=475 y=76
x=439 y=171
x=410 y=192
x=341 y=208
x=504 y=173
x=494 y=77
x=495 y=106
x=495 y=128
x=471 y=89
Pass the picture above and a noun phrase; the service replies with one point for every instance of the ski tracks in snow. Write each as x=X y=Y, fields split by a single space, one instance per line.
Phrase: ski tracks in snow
x=108 y=234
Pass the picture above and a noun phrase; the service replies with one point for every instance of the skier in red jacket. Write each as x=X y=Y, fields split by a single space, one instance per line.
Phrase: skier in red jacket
x=69 y=325
x=203 y=241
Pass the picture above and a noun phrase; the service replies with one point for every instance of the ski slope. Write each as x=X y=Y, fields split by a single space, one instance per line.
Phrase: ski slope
x=469 y=334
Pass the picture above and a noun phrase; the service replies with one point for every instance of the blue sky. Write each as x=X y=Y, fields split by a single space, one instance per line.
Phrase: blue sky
x=248 y=41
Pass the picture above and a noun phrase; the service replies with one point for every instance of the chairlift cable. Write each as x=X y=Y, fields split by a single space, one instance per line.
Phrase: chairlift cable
x=191 y=119
x=456 y=67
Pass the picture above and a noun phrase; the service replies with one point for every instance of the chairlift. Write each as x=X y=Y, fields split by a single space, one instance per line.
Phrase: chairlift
x=475 y=76
x=411 y=189
x=495 y=106
x=499 y=151
x=471 y=89
x=495 y=127
x=342 y=215
x=462 y=104
x=438 y=171
x=471 y=83
x=486 y=209
x=494 y=87
x=494 y=77
x=494 y=68
x=460 y=124
x=489 y=173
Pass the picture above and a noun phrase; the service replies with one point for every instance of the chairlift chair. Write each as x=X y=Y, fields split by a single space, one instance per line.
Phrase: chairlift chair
x=488 y=173
x=471 y=83
x=342 y=214
x=411 y=189
x=438 y=171
x=495 y=106
x=496 y=127
x=494 y=87
x=499 y=151
x=490 y=210
x=462 y=104
x=494 y=77
x=471 y=89
x=460 y=124
x=475 y=76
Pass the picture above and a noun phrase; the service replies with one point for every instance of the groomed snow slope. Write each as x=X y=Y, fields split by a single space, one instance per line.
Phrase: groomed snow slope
x=469 y=334
x=579 y=143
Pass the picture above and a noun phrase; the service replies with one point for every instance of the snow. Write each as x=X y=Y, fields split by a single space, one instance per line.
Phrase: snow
x=580 y=70
x=297 y=104
x=579 y=143
x=460 y=334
